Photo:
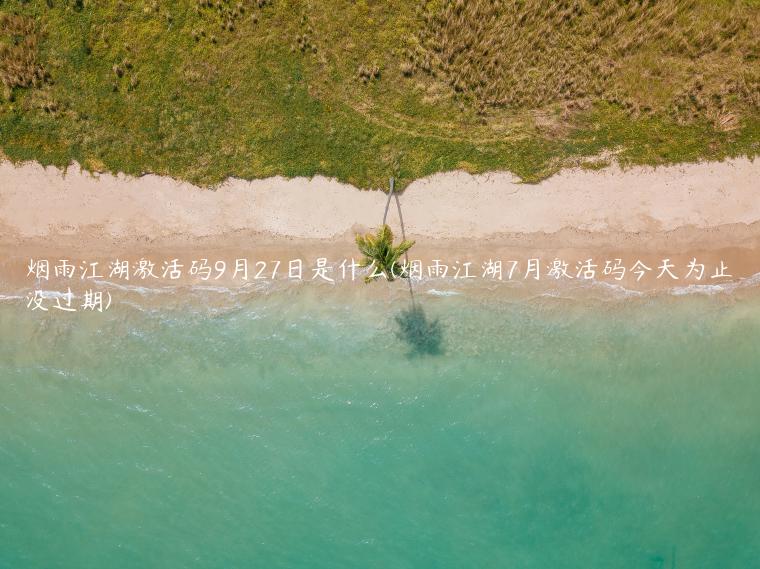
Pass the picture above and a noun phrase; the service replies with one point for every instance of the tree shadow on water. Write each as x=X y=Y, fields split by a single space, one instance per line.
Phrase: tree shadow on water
x=423 y=336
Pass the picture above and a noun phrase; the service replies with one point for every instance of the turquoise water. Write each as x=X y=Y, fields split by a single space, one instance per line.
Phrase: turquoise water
x=300 y=430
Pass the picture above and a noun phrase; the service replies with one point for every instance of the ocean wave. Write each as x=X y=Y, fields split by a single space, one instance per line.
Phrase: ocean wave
x=260 y=286
x=237 y=296
x=436 y=292
x=4 y=297
x=143 y=290
x=697 y=289
x=46 y=294
x=617 y=289
x=728 y=287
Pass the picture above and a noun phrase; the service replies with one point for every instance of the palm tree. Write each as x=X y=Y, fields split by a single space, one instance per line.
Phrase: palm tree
x=379 y=250
x=423 y=336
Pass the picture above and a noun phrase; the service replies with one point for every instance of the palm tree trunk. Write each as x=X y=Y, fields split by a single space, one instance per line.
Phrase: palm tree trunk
x=391 y=194
x=388 y=202
x=406 y=253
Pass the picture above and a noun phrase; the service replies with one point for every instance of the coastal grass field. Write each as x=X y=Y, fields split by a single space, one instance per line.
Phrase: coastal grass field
x=359 y=90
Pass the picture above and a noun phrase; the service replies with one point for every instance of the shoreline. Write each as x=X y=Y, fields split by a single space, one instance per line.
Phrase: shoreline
x=707 y=211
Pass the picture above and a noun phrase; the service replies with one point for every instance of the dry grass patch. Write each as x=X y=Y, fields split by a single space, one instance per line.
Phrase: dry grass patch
x=690 y=58
x=19 y=64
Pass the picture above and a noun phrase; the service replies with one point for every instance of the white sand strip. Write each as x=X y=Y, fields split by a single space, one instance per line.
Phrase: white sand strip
x=37 y=202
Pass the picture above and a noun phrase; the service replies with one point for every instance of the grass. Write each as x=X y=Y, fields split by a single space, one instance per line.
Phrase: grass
x=686 y=57
x=206 y=90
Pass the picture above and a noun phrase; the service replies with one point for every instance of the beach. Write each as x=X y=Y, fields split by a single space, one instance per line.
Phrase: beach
x=219 y=419
x=704 y=213
x=214 y=354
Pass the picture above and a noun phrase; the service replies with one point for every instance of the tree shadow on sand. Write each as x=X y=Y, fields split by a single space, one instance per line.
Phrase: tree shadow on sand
x=423 y=336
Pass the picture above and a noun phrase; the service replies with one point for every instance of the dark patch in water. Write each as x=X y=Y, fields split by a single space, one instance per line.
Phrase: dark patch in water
x=423 y=336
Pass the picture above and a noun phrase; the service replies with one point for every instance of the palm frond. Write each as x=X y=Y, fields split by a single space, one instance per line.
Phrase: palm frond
x=379 y=251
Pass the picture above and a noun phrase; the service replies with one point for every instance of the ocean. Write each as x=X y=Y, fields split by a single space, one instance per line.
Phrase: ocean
x=312 y=429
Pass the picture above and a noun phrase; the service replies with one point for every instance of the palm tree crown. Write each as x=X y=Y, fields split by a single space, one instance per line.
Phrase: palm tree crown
x=379 y=250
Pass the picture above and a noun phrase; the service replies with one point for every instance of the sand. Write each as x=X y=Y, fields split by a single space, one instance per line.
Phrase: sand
x=710 y=210
x=37 y=201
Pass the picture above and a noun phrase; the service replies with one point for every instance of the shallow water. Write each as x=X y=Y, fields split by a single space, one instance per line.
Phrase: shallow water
x=304 y=430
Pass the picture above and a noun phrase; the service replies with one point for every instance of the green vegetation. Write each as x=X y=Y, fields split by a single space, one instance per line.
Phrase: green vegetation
x=380 y=252
x=363 y=89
